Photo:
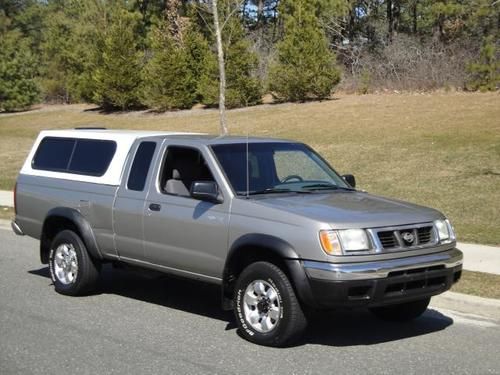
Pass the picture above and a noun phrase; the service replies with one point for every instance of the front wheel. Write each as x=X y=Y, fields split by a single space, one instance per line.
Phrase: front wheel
x=267 y=310
x=72 y=270
x=402 y=312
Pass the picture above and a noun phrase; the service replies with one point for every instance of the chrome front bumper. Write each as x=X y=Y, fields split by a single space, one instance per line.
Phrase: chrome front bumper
x=379 y=269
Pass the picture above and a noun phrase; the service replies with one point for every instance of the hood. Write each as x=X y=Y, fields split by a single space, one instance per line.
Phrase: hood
x=345 y=210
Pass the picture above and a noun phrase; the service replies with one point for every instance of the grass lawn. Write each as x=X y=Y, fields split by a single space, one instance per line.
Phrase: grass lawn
x=478 y=284
x=440 y=150
x=6 y=213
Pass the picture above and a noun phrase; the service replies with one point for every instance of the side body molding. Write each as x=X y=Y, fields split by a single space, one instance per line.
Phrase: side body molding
x=67 y=218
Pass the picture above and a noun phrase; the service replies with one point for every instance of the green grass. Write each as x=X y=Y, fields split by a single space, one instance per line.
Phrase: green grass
x=6 y=213
x=479 y=284
x=438 y=150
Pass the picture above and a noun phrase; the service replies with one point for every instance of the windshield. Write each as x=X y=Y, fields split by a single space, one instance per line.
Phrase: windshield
x=276 y=168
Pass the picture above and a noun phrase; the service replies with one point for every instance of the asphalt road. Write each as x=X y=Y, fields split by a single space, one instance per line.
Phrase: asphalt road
x=155 y=324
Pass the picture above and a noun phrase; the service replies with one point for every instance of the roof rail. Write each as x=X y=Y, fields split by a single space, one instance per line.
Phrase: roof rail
x=90 y=128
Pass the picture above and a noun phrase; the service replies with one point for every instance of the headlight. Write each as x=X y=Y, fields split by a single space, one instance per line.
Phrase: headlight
x=444 y=231
x=342 y=242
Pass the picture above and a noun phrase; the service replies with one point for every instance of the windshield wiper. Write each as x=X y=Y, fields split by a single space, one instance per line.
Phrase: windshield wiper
x=326 y=186
x=268 y=191
x=274 y=191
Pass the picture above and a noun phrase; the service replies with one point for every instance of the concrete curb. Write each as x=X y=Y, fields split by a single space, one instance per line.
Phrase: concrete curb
x=481 y=258
x=5 y=224
x=6 y=198
x=464 y=303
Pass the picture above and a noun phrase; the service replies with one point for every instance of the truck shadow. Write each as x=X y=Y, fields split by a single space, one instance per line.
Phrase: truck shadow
x=331 y=328
x=360 y=327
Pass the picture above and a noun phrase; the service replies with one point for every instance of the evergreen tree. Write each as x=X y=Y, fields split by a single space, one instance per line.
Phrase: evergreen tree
x=72 y=41
x=18 y=69
x=486 y=72
x=117 y=77
x=169 y=80
x=200 y=56
x=305 y=68
x=243 y=88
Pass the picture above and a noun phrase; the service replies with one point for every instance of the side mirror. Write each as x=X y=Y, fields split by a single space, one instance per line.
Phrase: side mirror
x=349 y=178
x=207 y=191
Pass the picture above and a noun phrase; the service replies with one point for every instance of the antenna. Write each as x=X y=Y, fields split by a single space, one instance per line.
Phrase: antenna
x=247 y=166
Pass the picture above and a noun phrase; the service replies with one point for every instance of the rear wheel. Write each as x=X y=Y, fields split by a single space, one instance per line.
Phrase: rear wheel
x=267 y=310
x=402 y=312
x=72 y=270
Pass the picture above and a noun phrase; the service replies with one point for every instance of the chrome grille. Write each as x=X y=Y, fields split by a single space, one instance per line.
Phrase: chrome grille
x=424 y=235
x=406 y=237
x=387 y=239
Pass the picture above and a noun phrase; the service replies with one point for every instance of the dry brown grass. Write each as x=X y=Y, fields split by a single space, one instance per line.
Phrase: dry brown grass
x=440 y=150
x=478 y=284
x=6 y=213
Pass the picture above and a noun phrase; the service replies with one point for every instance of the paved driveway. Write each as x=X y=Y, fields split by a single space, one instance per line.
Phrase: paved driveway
x=155 y=324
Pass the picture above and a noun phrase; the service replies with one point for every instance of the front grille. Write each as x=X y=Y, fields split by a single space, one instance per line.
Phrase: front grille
x=406 y=237
x=387 y=239
x=424 y=235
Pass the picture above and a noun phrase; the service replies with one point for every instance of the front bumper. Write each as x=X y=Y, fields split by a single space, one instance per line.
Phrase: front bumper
x=383 y=282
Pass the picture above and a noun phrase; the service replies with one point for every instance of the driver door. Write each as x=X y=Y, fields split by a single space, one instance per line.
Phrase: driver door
x=181 y=233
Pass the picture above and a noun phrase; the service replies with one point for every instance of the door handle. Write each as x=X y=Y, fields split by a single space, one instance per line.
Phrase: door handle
x=154 y=207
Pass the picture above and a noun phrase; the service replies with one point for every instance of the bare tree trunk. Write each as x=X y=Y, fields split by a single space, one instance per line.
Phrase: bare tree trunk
x=222 y=71
x=390 y=20
x=396 y=15
x=260 y=13
x=415 y=15
x=173 y=20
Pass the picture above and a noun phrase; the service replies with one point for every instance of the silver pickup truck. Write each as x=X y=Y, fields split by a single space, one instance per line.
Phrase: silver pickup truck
x=268 y=220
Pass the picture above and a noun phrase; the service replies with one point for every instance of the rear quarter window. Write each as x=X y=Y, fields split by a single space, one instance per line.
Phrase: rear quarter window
x=89 y=157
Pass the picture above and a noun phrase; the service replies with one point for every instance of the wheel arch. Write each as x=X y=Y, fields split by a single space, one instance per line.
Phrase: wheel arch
x=255 y=247
x=61 y=218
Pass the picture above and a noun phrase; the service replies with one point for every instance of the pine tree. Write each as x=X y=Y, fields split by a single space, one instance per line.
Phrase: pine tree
x=305 y=68
x=169 y=80
x=199 y=54
x=72 y=41
x=243 y=88
x=486 y=72
x=18 y=70
x=117 y=78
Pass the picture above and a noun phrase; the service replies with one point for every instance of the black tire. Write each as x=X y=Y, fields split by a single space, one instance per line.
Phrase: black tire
x=402 y=312
x=86 y=277
x=291 y=323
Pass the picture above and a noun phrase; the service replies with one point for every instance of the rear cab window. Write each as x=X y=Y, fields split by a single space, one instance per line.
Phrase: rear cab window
x=141 y=165
x=90 y=157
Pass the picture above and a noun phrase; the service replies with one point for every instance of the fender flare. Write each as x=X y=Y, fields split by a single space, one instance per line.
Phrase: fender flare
x=82 y=225
x=278 y=248
x=278 y=245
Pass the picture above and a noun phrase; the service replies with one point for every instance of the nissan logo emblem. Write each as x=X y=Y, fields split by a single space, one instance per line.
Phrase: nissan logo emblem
x=408 y=237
